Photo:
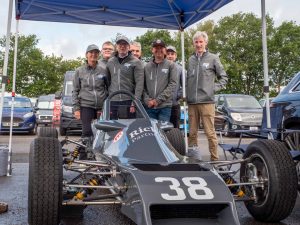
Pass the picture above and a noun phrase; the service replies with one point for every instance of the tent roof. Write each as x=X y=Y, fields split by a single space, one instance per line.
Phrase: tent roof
x=161 y=14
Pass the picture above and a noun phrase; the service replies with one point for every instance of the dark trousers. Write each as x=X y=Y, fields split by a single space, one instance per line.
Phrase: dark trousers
x=87 y=115
x=175 y=115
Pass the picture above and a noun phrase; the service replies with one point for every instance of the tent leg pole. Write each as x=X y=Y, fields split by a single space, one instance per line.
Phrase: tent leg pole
x=184 y=90
x=5 y=64
x=13 y=93
x=265 y=63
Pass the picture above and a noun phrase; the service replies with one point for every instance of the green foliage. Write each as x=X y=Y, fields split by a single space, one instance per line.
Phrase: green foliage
x=36 y=73
x=147 y=39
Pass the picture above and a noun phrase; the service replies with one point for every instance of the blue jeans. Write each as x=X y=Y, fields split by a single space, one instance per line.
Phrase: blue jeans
x=163 y=114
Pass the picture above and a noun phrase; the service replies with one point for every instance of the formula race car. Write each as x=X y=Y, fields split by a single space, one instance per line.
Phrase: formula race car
x=141 y=164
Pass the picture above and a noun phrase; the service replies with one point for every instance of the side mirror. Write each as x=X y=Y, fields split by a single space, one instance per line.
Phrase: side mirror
x=108 y=126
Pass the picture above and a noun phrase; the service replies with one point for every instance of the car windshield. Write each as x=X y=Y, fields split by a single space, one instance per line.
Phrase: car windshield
x=243 y=102
x=45 y=105
x=18 y=103
x=69 y=88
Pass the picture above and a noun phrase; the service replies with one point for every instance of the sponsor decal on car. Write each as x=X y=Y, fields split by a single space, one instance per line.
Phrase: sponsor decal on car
x=141 y=133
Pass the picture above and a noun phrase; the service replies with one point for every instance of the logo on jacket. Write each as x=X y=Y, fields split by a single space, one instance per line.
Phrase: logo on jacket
x=205 y=65
x=100 y=76
x=165 y=70
x=127 y=65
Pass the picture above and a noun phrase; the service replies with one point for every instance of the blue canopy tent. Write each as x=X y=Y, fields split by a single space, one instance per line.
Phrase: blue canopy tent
x=160 y=14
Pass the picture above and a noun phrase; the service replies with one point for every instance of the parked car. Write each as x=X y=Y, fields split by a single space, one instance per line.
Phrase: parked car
x=24 y=119
x=285 y=114
x=237 y=112
x=44 y=109
x=67 y=119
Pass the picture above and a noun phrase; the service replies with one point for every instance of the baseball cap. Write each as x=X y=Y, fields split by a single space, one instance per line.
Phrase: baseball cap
x=158 y=42
x=91 y=48
x=171 y=48
x=122 y=38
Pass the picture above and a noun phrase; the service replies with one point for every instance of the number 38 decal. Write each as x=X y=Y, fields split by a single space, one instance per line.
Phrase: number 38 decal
x=193 y=185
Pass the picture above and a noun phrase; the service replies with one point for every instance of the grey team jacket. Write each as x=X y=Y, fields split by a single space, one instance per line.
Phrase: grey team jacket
x=160 y=82
x=205 y=76
x=128 y=76
x=90 y=87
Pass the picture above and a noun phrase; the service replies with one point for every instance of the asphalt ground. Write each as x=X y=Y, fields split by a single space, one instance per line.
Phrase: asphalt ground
x=13 y=190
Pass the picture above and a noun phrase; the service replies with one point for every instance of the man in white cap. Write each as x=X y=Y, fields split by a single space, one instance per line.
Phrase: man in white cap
x=90 y=90
x=125 y=72
x=177 y=94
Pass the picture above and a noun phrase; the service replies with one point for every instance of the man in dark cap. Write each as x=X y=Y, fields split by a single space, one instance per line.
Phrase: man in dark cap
x=125 y=72
x=160 y=83
x=90 y=90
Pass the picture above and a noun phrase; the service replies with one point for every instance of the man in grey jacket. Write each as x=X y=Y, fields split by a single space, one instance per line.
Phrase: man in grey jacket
x=160 y=83
x=205 y=76
x=90 y=90
x=125 y=72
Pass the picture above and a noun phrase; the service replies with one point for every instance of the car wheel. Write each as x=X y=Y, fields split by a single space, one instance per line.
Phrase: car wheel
x=48 y=132
x=45 y=181
x=62 y=131
x=292 y=140
x=33 y=131
x=176 y=139
x=275 y=198
x=226 y=129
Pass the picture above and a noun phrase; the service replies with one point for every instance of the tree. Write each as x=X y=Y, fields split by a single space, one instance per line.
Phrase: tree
x=284 y=54
x=237 y=39
x=36 y=74
x=147 y=39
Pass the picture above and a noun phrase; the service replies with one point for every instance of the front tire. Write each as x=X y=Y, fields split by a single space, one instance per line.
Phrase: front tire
x=45 y=182
x=48 y=132
x=275 y=166
x=176 y=139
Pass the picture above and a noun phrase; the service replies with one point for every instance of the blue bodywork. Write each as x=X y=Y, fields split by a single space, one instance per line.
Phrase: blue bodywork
x=285 y=109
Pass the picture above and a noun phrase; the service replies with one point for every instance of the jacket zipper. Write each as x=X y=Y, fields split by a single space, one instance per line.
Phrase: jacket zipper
x=155 y=81
x=119 y=83
x=96 y=102
x=198 y=64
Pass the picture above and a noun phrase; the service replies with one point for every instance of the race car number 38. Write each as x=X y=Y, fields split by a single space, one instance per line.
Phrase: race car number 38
x=196 y=188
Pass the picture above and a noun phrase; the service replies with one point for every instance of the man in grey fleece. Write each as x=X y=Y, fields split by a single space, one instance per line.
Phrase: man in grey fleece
x=125 y=72
x=160 y=83
x=205 y=76
x=90 y=90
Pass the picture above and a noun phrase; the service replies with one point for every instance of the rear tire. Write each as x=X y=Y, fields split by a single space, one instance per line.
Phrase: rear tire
x=275 y=165
x=45 y=182
x=48 y=132
x=176 y=139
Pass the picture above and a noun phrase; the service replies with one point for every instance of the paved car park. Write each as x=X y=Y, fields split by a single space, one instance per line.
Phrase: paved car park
x=13 y=190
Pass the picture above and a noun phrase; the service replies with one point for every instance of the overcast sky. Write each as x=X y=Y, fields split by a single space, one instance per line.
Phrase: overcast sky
x=71 y=40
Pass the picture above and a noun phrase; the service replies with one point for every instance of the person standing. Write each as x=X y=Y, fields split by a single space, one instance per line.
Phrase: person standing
x=90 y=90
x=205 y=76
x=160 y=83
x=106 y=52
x=125 y=72
x=177 y=94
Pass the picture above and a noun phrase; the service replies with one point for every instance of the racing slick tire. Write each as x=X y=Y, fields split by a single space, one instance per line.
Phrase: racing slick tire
x=48 y=132
x=176 y=139
x=275 y=166
x=45 y=182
